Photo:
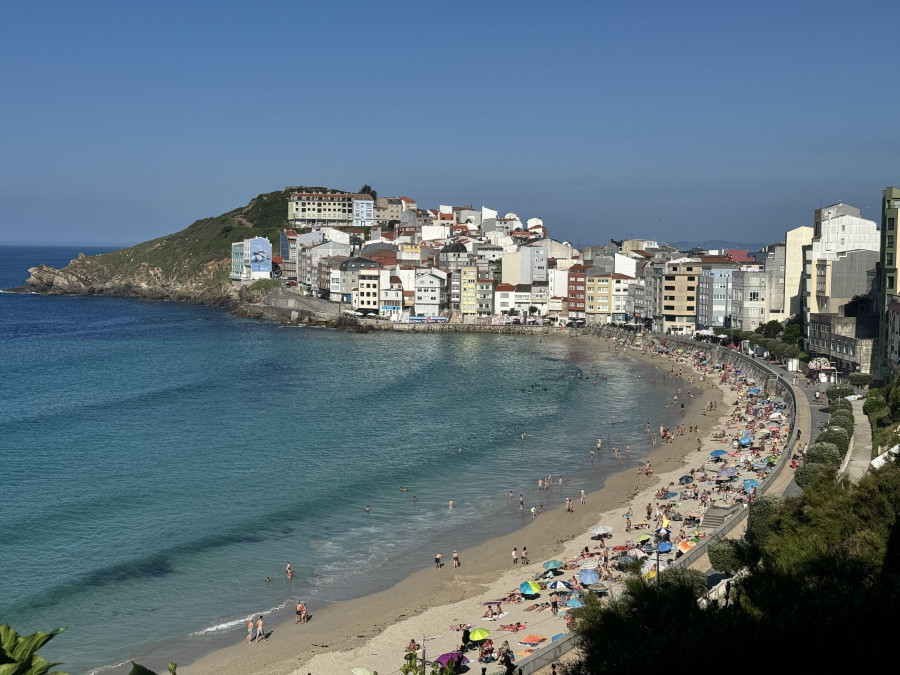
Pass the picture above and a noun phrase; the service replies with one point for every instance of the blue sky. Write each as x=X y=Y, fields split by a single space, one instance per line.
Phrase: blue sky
x=123 y=121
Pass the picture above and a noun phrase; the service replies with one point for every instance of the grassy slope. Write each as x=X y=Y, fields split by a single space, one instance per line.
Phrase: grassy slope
x=182 y=255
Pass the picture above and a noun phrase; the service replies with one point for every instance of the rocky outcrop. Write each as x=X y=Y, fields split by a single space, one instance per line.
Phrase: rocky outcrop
x=92 y=276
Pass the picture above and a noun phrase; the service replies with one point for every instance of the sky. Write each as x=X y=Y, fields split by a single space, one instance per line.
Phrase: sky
x=123 y=121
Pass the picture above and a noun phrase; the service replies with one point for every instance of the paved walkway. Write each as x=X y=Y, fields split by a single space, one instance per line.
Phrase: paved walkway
x=860 y=453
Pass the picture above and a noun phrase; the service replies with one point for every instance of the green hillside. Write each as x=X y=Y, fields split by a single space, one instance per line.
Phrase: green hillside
x=183 y=255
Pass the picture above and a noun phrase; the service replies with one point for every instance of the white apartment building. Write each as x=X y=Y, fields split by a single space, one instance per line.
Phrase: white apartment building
x=431 y=292
x=308 y=210
x=749 y=307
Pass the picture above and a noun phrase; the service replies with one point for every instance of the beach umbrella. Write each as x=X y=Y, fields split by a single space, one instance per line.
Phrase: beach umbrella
x=552 y=565
x=650 y=575
x=664 y=547
x=559 y=585
x=751 y=483
x=574 y=602
x=662 y=532
x=685 y=480
x=636 y=553
x=626 y=559
x=588 y=577
x=601 y=530
x=529 y=588
x=589 y=563
x=644 y=537
x=451 y=657
x=620 y=548
x=718 y=453
x=479 y=634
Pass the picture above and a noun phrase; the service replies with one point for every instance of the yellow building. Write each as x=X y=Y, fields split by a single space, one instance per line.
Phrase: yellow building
x=468 y=291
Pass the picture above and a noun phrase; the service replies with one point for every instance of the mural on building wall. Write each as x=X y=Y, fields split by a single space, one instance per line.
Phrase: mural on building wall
x=260 y=255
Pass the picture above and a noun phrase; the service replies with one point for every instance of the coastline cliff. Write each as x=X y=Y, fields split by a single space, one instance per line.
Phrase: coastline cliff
x=192 y=265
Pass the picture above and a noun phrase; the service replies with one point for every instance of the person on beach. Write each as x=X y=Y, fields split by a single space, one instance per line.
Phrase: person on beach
x=455 y=558
x=533 y=512
x=260 y=633
x=437 y=561
x=249 y=631
x=524 y=556
x=582 y=498
x=554 y=603
x=521 y=502
x=515 y=556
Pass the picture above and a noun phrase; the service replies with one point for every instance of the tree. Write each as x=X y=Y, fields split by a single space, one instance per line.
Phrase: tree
x=367 y=190
x=770 y=329
x=860 y=379
x=727 y=555
x=792 y=334
x=823 y=453
x=532 y=310
x=792 y=351
x=835 y=435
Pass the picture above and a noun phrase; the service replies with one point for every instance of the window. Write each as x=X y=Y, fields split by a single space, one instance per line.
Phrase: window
x=890 y=282
x=890 y=224
x=889 y=259
x=890 y=241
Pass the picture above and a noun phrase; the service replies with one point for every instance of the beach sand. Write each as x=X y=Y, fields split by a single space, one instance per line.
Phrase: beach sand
x=373 y=631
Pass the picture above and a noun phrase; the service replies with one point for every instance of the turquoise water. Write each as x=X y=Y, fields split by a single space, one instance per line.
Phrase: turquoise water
x=160 y=459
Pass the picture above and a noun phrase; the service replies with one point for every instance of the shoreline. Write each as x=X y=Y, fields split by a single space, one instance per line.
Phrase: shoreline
x=341 y=630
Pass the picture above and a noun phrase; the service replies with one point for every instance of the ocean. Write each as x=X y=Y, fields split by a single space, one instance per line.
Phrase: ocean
x=160 y=460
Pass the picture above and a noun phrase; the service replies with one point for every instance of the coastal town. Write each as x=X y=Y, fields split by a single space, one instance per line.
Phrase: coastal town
x=385 y=258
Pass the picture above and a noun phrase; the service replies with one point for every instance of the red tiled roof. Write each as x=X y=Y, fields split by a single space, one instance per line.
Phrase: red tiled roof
x=506 y=287
x=277 y=259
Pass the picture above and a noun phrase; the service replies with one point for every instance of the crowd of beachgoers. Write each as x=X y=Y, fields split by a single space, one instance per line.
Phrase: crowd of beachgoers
x=729 y=442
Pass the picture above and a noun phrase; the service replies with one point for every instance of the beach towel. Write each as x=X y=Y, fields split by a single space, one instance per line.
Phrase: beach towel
x=526 y=652
x=556 y=637
x=497 y=617
x=532 y=640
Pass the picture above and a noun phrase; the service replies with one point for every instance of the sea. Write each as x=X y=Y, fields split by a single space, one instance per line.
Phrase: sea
x=160 y=460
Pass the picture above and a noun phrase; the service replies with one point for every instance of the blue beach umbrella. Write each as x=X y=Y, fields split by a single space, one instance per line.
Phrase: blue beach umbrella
x=746 y=440
x=589 y=577
x=529 y=588
x=552 y=565
x=558 y=586
x=574 y=602
x=751 y=483
x=664 y=547
x=718 y=453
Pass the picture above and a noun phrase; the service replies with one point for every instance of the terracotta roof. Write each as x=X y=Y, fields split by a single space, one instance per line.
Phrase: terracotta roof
x=506 y=287
x=277 y=259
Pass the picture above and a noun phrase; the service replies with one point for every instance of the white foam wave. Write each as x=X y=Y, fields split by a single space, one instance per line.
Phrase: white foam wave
x=234 y=623
x=102 y=669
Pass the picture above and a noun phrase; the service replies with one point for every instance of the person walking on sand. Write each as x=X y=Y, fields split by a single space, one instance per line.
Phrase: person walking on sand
x=455 y=558
x=260 y=632
x=524 y=556
x=249 y=631
x=437 y=561
x=515 y=556
x=298 y=612
x=582 y=497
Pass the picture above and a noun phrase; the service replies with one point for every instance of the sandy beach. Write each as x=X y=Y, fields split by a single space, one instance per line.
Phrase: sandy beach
x=373 y=631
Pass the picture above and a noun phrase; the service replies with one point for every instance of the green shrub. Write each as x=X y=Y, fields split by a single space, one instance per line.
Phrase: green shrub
x=839 y=404
x=838 y=436
x=822 y=453
x=813 y=472
x=842 y=423
x=874 y=403
x=860 y=379
x=839 y=391
x=725 y=555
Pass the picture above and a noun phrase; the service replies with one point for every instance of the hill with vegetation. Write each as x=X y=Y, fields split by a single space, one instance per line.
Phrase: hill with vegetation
x=192 y=265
